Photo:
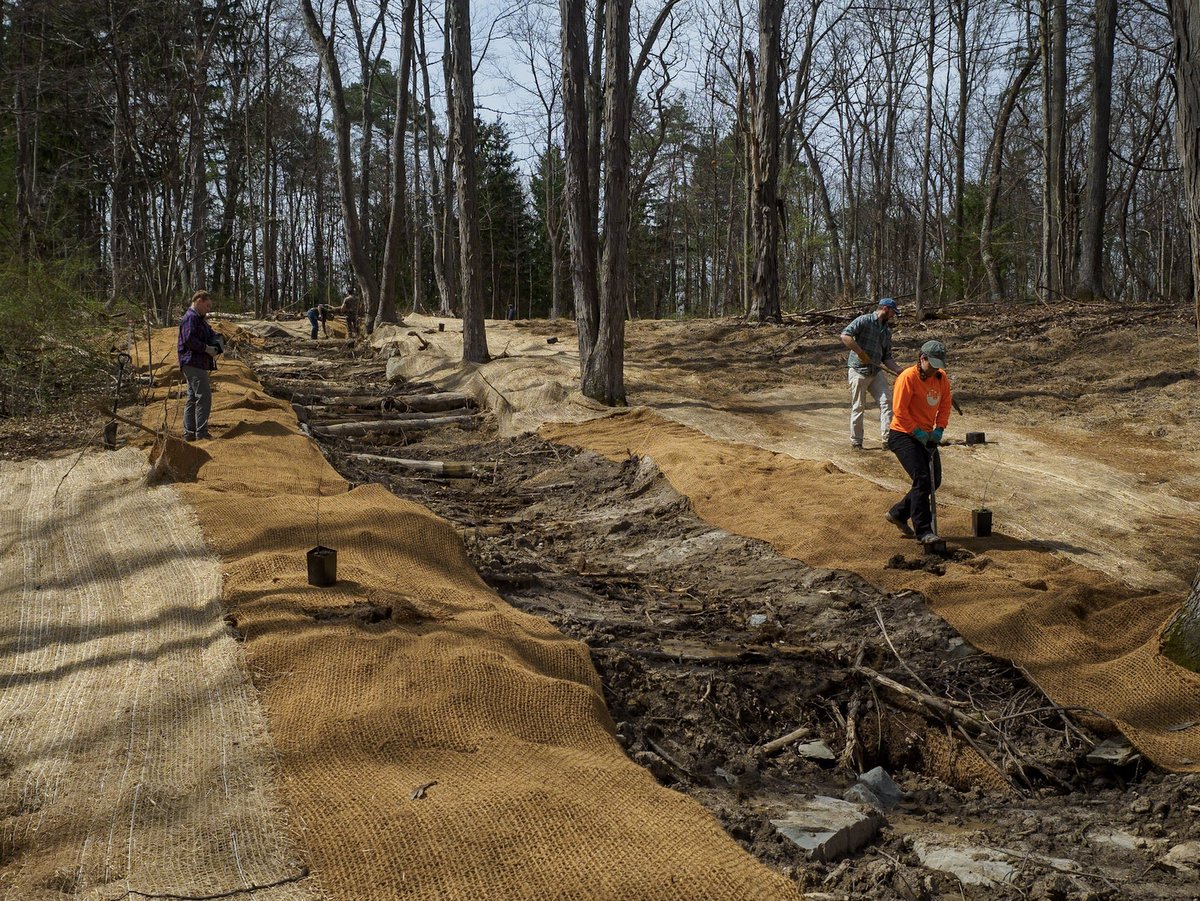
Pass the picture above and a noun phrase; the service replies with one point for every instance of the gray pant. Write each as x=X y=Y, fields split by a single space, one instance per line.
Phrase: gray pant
x=199 y=402
x=881 y=390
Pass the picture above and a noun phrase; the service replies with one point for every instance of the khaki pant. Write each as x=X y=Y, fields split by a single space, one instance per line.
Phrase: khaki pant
x=881 y=390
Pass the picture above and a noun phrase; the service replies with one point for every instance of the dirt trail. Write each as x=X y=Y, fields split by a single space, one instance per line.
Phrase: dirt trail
x=434 y=742
x=1108 y=497
x=134 y=756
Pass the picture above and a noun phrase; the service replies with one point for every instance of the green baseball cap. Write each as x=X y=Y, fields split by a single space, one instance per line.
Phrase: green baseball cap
x=936 y=352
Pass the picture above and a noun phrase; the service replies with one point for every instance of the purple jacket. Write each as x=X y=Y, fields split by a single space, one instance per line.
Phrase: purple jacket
x=195 y=334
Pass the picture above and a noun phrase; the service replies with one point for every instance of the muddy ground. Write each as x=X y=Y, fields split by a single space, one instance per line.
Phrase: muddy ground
x=710 y=645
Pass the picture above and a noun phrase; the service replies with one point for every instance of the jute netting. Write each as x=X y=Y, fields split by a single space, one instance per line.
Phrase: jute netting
x=411 y=673
x=1087 y=640
x=134 y=756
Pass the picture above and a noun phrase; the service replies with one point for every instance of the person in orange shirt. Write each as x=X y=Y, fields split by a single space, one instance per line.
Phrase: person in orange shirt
x=921 y=412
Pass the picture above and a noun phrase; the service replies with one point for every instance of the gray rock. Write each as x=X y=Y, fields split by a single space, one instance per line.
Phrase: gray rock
x=757 y=619
x=968 y=864
x=1114 y=751
x=827 y=828
x=860 y=794
x=815 y=750
x=1184 y=856
x=882 y=786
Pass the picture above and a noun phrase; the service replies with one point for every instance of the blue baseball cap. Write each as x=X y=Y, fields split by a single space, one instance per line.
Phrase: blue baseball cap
x=890 y=304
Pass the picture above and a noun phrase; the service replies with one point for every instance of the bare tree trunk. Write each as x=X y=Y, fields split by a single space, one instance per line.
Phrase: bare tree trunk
x=995 y=161
x=764 y=163
x=604 y=374
x=270 y=296
x=23 y=120
x=437 y=200
x=396 y=220
x=1056 y=144
x=1181 y=640
x=595 y=105
x=418 y=204
x=926 y=150
x=368 y=287
x=581 y=227
x=470 y=245
x=1091 y=268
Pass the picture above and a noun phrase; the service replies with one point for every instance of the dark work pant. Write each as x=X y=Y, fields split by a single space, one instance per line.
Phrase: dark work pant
x=312 y=318
x=914 y=457
x=199 y=402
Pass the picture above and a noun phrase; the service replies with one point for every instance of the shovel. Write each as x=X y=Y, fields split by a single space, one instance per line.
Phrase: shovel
x=937 y=547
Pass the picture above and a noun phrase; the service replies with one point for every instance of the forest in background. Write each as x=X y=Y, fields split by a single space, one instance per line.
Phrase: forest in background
x=935 y=151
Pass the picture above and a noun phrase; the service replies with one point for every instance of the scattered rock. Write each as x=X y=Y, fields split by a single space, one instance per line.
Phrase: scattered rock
x=1114 y=752
x=882 y=786
x=1184 y=856
x=969 y=864
x=860 y=794
x=815 y=750
x=757 y=620
x=827 y=828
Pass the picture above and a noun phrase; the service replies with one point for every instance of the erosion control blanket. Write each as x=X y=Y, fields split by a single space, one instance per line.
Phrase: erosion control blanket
x=134 y=760
x=1087 y=640
x=433 y=741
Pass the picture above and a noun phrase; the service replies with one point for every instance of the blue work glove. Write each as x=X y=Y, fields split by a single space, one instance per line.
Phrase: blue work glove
x=936 y=437
x=921 y=435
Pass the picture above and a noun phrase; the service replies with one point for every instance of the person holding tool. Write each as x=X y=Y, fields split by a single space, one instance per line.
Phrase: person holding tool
x=321 y=313
x=869 y=338
x=349 y=309
x=922 y=400
x=198 y=348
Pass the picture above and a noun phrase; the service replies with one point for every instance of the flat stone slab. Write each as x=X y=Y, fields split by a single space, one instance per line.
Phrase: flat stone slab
x=1113 y=751
x=827 y=828
x=969 y=864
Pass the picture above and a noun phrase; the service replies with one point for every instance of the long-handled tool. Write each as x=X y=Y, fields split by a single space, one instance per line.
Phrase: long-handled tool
x=938 y=545
x=110 y=428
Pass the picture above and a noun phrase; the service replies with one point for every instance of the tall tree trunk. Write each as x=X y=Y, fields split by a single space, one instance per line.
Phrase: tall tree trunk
x=995 y=163
x=926 y=150
x=595 y=106
x=436 y=198
x=604 y=375
x=1181 y=640
x=270 y=296
x=368 y=287
x=470 y=245
x=764 y=164
x=1056 y=140
x=581 y=229
x=1091 y=265
x=397 y=226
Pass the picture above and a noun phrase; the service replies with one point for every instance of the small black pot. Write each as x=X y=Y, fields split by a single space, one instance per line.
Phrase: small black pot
x=976 y=438
x=322 y=566
x=981 y=522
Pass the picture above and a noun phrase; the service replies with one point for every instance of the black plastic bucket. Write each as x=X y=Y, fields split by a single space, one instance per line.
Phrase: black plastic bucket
x=981 y=522
x=322 y=566
x=976 y=438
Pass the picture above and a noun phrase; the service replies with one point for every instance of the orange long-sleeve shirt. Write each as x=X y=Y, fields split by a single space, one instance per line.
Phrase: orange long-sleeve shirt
x=920 y=404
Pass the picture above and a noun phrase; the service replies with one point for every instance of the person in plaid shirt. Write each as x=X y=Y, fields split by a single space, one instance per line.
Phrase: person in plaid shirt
x=869 y=339
x=198 y=348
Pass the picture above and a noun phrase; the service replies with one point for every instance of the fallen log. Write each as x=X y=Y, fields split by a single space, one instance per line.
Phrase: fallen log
x=426 y=403
x=335 y=417
x=437 y=467
x=391 y=427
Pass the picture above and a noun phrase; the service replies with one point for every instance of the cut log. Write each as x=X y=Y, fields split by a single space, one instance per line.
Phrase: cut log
x=426 y=403
x=437 y=467
x=392 y=427
x=334 y=415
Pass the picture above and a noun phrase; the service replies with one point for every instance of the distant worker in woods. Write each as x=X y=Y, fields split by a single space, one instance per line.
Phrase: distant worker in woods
x=320 y=313
x=869 y=338
x=922 y=399
x=349 y=309
x=198 y=348
x=511 y=313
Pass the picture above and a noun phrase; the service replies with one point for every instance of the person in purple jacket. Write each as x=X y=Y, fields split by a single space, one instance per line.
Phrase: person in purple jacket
x=198 y=348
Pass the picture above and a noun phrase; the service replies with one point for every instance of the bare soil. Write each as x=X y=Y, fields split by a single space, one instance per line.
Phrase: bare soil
x=710 y=645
